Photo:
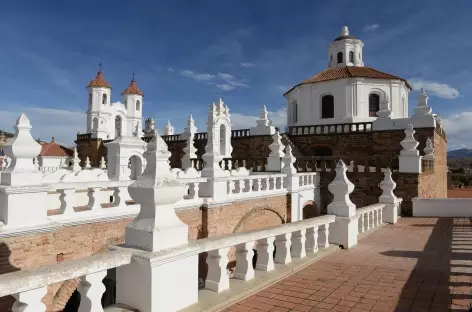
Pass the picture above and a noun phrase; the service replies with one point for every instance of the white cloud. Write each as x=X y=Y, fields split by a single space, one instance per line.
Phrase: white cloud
x=247 y=64
x=170 y=69
x=458 y=128
x=441 y=90
x=372 y=27
x=282 y=89
x=47 y=123
x=222 y=81
x=242 y=121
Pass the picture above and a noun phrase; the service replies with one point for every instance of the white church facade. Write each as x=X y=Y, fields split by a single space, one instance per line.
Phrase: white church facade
x=108 y=121
x=347 y=91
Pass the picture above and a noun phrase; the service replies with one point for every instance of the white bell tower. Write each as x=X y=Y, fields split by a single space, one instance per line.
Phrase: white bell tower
x=99 y=96
x=345 y=50
x=133 y=101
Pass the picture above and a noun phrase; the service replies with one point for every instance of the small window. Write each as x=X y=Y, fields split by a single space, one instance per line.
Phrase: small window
x=126 y=104
x=294 y=111
x=327 y=107
x=138 y=105
x=351 y=57
x=340 y=57
x=104 y=99
x=95 y=123
x=90 y=100
x=374 y=104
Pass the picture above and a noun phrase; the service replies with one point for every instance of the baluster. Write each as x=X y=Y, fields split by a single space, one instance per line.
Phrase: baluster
x=94 y=201
x=237 y=187
x=371 y=219
x=217 y=277
x=231 y=187
x=91 y=290
x=282 y=248
x=244 y=254
x=271 y=183
x=192 y=190
x=324 y=235
x=298 y=244
x=118 y=196
x=380 y=216
x=366 y=221
x=66 y=199
x=249 y=185
x=30 y=300
x=375 y=216
x=265 y=251
x=258 y=186
x=361 y=224
x=311 y=242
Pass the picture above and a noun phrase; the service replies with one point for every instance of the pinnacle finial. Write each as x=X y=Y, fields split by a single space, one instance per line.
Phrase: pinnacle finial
x=132 y=78
x=100 y=67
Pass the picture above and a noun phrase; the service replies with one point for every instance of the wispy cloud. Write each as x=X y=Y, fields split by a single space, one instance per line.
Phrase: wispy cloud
x=441 y=90
x=247 y=64
x=47 y=123
x=222 y=81
x=458 y=128
x=170 y=69
x=370 y=28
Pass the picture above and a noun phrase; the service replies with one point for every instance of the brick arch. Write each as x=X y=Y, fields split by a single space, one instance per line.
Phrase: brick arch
x=258 y=218
x=67 y=288
x=310 y=210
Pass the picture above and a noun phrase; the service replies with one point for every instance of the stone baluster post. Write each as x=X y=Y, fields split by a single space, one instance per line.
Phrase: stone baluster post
x=392 y=202
x=409 y=159
x=103 y=164
x=146 y=284
x=274 y=161
x=189 y=150
x=76 y=161
x=87 y=163
x=345 y=230
x=22 y=194
x=264 y=125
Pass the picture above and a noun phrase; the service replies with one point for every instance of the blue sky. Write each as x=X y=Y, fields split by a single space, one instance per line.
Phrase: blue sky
x=188 y=53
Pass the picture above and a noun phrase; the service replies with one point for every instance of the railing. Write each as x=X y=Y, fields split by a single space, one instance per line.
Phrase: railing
x=84 y=136
x=307 y=179
x=29 y=286
x=201 y=136
x=427 y=165
x=372 y=164
x=171 y=137
x=274 y=245
x=370 y=217
x=247 y=185
x=240 y=133
x=255 y=164
x=331 y=129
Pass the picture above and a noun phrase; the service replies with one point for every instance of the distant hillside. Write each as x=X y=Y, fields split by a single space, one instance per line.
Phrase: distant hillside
x=460 y=153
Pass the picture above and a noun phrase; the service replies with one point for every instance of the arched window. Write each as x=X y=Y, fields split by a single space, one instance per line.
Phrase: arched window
x=294 y=111
x=222 y=140
x=117 y=126
x=95 y=123
x=138 y=105
x=126 y=104
x=374 y=104
x=327 y=106
x=351 y=57
x=90 y=100
x=104 y=99
x=340 y=57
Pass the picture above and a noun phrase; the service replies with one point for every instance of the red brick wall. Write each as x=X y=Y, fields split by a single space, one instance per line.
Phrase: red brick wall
x=79 y=241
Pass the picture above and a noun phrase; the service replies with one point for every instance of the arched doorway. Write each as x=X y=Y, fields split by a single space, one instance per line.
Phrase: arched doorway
x=135 y=164
x=310 y=210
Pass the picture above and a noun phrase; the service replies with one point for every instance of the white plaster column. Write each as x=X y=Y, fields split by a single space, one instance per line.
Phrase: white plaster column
x=282 y=248
x=22 y=194
x=265 y=249
x=91 y=289
x=218 y=147
x=392 y=202
x=189 y=150
x=244 y=255
x=30 y=300
x=264 y=125
x=274 y=161
x=149 y=284
x=311 y=242
x=409 y=159
x=217 y=276
x=298 y=244
x=94 y=198
x=345 y=230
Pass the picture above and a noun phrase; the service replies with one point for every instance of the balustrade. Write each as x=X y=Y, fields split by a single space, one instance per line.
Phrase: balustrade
x=331 y=129
x=370 y=217
x=171 y=137
x=364 y=165
x=427 y=165
x=241 y=186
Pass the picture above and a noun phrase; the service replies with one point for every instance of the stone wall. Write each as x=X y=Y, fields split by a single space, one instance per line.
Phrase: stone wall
x=74 y=242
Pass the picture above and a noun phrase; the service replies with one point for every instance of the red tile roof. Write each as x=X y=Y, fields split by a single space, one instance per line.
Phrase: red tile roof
x=348 y=72
x=99 y=81
x=53 y=149
x=132 y=89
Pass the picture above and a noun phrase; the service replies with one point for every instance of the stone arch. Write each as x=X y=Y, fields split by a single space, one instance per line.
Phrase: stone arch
x=310 y=210
x=253 y=217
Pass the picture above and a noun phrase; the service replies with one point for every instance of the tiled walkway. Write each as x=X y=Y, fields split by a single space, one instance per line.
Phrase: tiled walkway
x=418 y=264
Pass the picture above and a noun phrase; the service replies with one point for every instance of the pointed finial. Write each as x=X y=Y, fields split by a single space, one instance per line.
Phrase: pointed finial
x=100 y=67
x=133 y=77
